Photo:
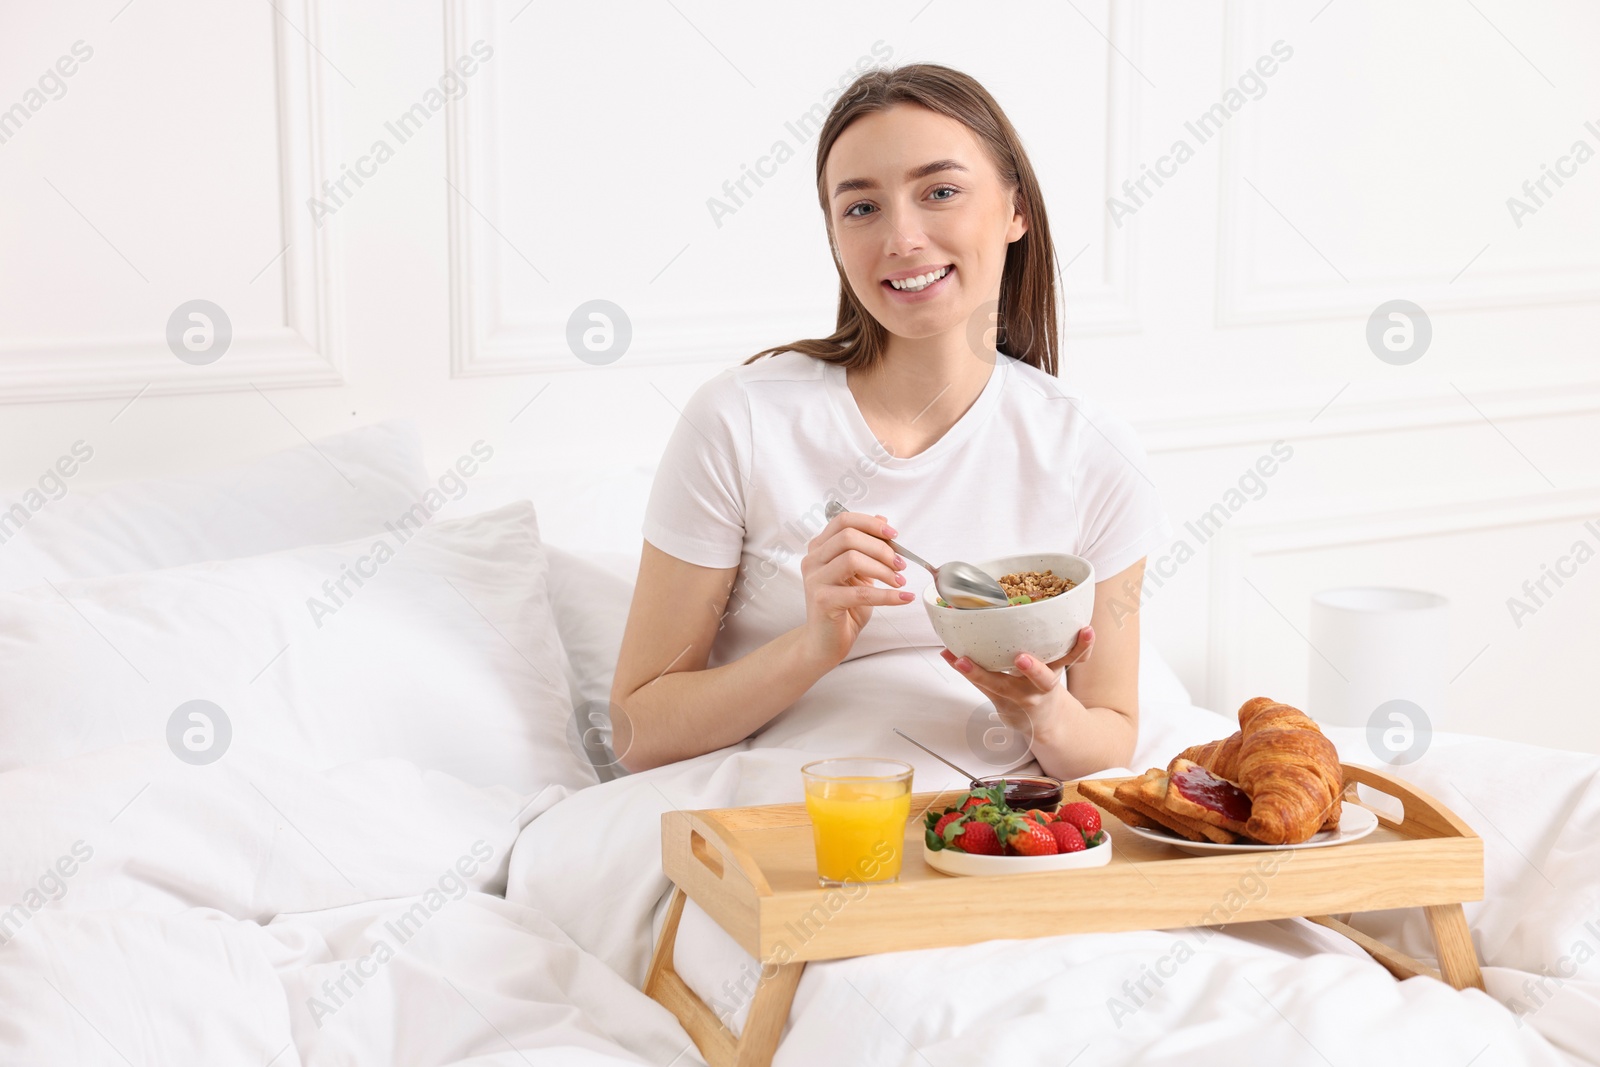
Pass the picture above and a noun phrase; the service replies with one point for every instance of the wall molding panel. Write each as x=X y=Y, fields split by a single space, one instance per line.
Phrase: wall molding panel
x=487 y=339
x=1230 y=419
x=307 y=349
x=1243 y=298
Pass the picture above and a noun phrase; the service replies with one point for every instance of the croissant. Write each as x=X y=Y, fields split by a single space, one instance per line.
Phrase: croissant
x=1288 y=768
x=1221 y=758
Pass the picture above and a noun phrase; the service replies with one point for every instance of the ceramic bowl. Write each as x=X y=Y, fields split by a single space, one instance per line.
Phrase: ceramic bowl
x=954 y=861
x=1045 y=629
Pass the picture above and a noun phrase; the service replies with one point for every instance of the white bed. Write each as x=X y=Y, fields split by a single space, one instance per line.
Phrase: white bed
x=403 y=856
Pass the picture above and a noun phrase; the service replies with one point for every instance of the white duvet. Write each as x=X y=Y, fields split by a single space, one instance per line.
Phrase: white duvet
x=254 y=911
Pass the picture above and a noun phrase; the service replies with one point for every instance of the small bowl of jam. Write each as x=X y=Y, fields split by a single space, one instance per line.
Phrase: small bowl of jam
x=1027 y=791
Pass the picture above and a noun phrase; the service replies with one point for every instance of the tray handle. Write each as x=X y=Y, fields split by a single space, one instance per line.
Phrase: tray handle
x=709 y=857
x=1422 y=815
x=716 y=850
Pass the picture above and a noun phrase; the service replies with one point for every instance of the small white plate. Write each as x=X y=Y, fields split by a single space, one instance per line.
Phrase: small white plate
x=954 y=861
x=1355 y=822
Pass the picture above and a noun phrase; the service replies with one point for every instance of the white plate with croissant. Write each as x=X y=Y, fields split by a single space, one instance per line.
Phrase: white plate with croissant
x=1275 y=784
x=1355 y=822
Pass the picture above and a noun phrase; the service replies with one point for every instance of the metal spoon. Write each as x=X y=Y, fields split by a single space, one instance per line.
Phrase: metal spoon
x=970 y=777
x=960 y=584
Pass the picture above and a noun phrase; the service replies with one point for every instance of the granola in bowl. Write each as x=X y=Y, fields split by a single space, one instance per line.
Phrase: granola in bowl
x=1024 y=587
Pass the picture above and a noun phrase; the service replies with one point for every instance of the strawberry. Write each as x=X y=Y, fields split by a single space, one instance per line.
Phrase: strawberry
x=987 y=813
x=1030 y=838
x=1083 y=815
x=1040 y=816
x=978 y=797
x=1068 y=839
x=978 y=838
x=945 y=820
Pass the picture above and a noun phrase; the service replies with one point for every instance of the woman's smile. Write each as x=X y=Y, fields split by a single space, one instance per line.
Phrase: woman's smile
x=928 y=291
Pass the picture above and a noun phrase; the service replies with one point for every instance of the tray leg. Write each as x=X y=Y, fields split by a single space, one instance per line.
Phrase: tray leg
x=768 y=1012
x=763 y=1026
x=1458 y=960
x=1394 y=961
x=661 y=959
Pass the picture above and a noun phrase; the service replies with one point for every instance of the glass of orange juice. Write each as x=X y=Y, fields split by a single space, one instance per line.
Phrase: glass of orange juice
x=858 y=807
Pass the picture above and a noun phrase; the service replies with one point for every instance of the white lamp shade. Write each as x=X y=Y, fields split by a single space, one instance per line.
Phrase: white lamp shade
x=1373 y=645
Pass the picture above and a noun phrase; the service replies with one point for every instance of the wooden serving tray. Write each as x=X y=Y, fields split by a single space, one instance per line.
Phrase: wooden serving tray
x=754 y=871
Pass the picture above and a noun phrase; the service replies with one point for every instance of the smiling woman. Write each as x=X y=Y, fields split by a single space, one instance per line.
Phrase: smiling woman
x=942 y=366
x=986 y=185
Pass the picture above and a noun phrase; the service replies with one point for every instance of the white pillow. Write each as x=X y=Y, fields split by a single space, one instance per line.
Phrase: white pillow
x=337 y=488
x=590 y=603
x=1158 y=682
x=434 y=645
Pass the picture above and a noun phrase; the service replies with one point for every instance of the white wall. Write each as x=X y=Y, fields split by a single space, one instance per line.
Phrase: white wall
x=1227 y=311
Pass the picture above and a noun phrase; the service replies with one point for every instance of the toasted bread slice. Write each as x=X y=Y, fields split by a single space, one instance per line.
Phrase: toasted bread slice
x=1166 y=820
x=1197 y=793
x=1128 y=793
x=1148 y=795
x=1099 y=793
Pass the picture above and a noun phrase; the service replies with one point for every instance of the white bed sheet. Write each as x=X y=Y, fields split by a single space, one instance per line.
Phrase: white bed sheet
x=257 y=911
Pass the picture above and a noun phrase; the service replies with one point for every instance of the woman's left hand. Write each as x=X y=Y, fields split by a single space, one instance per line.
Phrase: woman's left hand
x=1034 y=702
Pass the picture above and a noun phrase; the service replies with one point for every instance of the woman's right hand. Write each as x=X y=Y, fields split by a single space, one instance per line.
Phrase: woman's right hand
x=840 y=567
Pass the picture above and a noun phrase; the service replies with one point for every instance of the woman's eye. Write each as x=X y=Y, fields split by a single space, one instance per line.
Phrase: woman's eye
x=850 y=212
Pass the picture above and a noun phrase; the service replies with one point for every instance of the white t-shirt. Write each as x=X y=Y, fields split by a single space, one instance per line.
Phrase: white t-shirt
x=761 y=449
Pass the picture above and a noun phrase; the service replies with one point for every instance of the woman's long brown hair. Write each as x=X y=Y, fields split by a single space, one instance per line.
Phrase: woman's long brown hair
x=1026 y=323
